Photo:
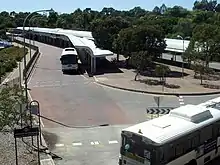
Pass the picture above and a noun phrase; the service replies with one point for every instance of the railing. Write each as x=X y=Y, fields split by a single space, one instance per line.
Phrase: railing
x=30 y=65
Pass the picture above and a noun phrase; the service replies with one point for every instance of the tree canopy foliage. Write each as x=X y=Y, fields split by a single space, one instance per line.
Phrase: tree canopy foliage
x=135 y=30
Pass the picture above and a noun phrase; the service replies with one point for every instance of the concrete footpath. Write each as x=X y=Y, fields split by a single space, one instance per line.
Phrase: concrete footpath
x=125 y=81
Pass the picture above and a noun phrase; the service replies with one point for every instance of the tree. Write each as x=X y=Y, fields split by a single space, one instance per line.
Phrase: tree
x=156 y=10
x=146 y=39
x=141 y=61
x=149 y=38
x=161 y=71
x=10 y=98
x=177 y=11
x=163 y=8
x=106 y=31
x=205 y=5
x=206 y=39
x=184 y=27
x=191 y=53
x=199 y=68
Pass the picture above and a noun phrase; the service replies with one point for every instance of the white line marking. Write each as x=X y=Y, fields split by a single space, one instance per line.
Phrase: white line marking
x=48 y=160
x=77 y=144
x=84 y=77
x=95 y=143
x=113 y=142
x=181 y=103
x=181 y=100
x=180 y=97
x=95 y=79
x=59 y=145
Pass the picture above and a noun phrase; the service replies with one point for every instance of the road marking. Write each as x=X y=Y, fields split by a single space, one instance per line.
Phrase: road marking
x=84 y=76
x=77 y=144
x=95 y=143
x=59 y=145
x=113 y=142
x=181 y=100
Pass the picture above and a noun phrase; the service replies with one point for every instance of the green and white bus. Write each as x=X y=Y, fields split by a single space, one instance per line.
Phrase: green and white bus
x=188 y=135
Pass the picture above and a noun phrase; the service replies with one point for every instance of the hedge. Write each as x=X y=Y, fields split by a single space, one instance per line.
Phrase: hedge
x=9 y=58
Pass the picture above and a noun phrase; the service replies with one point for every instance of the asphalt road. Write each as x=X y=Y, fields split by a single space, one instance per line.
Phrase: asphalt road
x=76 y=100
x=88 y=146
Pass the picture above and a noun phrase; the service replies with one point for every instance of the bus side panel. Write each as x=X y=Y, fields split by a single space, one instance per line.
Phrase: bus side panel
x=207 y=157
x=184 y=159
x=128 y=161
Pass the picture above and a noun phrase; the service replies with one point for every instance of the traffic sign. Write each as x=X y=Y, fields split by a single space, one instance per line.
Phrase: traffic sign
x=26 y=132
x=34 y=109
x=157 y=100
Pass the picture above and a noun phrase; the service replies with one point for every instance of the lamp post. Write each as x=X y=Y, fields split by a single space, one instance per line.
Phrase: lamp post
x=183 y=39
x=25 y=60
x=31 y=19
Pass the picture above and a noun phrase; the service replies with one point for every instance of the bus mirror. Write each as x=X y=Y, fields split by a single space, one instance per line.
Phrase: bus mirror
x=127 y=146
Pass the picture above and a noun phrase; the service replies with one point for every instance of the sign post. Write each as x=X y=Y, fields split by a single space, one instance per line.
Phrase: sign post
x=157 y=100
x=26 y=132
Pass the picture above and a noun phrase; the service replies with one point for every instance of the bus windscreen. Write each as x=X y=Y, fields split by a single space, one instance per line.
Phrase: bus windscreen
x=135 y=148
x=69 y=59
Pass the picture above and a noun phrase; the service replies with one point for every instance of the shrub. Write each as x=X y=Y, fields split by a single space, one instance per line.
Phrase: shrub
x=9 y=58
x=173 y=86
x=211 y=86
x=151 y=82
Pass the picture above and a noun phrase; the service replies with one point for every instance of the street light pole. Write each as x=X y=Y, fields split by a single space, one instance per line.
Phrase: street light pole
x=182 y=38
x=25 y=60
x=32 y=18
x=183 y=59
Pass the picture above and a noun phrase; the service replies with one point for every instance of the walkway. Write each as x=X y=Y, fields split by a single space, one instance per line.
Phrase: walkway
x=125 y=81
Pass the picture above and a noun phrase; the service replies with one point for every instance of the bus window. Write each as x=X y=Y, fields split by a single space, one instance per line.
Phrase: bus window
x=195 y=141
x=134 y=148
x=68 y=59
x=205 y=134
x=179 y=150
x=169 y=152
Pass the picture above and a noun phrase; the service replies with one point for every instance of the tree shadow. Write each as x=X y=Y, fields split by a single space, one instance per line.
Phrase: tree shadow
x=50 y=138
x=123 y=64
x=105 y=67
x=172 y=74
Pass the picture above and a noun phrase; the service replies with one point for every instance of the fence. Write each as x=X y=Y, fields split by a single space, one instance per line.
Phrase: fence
x=32 y=61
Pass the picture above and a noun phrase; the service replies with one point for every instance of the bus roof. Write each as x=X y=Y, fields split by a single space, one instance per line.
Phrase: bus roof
x=178 y=122
x=69 y=51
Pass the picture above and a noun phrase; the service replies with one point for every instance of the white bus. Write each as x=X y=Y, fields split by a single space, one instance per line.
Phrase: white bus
x=69 y=60
x=188 y=135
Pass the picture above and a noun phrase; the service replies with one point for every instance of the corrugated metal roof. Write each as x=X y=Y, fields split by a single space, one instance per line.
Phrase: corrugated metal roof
x=176 y=45
x=78 y=39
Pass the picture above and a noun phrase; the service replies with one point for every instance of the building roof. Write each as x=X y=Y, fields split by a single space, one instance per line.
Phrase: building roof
x=179 y=121
x=80 y=39
x=176 y=45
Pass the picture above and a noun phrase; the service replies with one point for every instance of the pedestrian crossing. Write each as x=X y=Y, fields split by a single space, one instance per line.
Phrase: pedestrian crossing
x=44 y=84
x=181 y=100
x=91 y=143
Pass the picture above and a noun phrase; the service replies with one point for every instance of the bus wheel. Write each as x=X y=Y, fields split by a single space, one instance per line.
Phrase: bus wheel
x=192 y=162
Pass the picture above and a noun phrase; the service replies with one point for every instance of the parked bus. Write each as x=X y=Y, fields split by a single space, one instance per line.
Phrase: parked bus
x=69 y=60
x=188 y=135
